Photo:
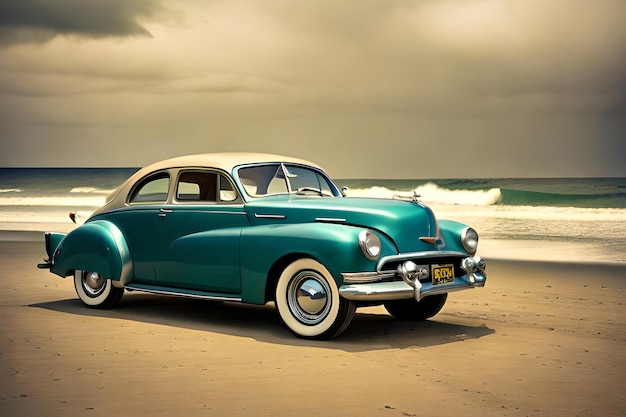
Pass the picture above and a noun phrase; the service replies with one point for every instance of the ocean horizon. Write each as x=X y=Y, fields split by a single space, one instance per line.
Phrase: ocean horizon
x=559 y=219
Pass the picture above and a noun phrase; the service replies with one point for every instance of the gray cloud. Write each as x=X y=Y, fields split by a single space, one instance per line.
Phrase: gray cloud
x=405 y=88
x=41 y=20
x=567 y=55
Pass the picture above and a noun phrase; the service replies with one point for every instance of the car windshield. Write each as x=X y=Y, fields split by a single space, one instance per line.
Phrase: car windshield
x=270 y=179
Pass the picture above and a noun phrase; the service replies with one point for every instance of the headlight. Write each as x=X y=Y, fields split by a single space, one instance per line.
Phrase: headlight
x=370 y=245
x=469 y=240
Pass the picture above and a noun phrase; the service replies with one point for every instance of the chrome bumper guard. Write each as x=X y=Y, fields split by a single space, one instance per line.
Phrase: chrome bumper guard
x=371 y=288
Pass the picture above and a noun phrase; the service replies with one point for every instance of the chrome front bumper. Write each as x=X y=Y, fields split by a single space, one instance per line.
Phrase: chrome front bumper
x=410 y=286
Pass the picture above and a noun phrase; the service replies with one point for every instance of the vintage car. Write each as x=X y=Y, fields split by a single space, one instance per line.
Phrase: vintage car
x=259 y=228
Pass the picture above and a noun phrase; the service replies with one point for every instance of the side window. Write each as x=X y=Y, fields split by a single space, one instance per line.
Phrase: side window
x=152 y=190
x=197 y=186
x=204 y=186
x=227 y=192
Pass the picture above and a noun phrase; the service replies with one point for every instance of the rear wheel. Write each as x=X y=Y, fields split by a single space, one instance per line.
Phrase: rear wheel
x=95 y=291
x=411 y=309
x=309 y=303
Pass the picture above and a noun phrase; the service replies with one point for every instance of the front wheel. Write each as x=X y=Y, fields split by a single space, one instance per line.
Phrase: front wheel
x=95 y=291
x=412 y=309
x=308 y=301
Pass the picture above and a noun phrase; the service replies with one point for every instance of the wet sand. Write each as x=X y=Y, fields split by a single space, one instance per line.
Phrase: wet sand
x=541 y=339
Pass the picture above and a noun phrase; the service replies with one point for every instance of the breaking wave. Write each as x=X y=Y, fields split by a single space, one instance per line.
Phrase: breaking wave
x=90 y=190
x=432 y=193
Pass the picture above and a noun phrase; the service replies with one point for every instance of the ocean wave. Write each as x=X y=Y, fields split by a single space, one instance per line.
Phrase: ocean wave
x=493 y=203
x=56 y=201
x=431 y=193
x=90 y=190
x=539 y=198
x=53 y=215
x=11 y=190
x=535 y=213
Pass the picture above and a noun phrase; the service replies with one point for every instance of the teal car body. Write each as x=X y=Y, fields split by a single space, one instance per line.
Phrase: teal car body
x=259 y=228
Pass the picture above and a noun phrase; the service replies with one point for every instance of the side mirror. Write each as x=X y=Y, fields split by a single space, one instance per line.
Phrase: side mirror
x=344 y=191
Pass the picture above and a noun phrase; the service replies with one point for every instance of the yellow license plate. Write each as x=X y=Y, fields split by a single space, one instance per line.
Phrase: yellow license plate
x=442 y=274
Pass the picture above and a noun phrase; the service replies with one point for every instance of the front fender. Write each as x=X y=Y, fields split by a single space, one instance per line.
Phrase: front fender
x=95 y=246
x=450 y=232
x=335 y=246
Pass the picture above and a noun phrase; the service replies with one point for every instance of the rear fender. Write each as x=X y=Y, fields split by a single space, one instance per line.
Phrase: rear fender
x=52 y=240
x=96 y=246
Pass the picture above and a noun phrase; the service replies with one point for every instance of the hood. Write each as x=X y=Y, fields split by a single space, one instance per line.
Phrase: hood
x=402 y=221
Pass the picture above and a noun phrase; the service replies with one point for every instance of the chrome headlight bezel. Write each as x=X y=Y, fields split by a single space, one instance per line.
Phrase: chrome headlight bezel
x=370 y=245
x=469 y=240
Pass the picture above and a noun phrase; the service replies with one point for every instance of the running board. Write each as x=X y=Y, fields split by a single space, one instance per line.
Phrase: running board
x=180 y=293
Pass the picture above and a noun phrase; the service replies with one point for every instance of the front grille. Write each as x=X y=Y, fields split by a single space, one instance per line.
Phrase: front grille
x=393 y=265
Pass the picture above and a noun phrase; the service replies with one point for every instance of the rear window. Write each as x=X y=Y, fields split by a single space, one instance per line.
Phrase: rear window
x=153 y=189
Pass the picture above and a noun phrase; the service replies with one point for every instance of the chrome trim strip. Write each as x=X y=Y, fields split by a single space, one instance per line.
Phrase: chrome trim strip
x=201 y=208
x=380 y=291
x=179 y=294
x=165 y=212
x=269 y=216
x=330 y=220
x=364 y=277
x=240 y=213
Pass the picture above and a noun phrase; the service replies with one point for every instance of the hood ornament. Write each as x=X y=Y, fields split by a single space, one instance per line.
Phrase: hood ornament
x=406 y=197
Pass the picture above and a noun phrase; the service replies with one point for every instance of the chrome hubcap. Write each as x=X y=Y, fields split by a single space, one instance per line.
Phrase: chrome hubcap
x=93 y=283
x=308 y=297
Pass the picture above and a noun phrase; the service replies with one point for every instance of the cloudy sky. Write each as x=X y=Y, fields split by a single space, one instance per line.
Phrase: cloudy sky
x=374 y=88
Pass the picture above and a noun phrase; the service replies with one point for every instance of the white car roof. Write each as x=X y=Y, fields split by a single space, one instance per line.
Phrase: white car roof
x=227 y=161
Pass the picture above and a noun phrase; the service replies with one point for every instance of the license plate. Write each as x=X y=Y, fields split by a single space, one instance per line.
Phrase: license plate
x=442 y=274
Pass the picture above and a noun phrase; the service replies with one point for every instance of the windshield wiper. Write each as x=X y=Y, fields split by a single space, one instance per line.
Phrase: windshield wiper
x=304 y=190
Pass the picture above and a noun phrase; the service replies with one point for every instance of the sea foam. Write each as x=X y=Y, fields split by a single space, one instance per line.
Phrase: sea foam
x=54 y=201
x=431 y=193
x=90 y=190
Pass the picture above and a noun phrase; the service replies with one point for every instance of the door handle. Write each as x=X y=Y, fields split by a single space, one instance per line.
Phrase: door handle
x=164 y=212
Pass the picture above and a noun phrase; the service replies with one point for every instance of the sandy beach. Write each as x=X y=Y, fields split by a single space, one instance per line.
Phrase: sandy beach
x=541 y=339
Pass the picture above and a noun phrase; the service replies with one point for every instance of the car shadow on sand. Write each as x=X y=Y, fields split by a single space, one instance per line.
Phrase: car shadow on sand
x=368 y=330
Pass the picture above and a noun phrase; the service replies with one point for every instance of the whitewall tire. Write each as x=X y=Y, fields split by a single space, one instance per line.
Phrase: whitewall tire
x=308 y=301
x=95 y=291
